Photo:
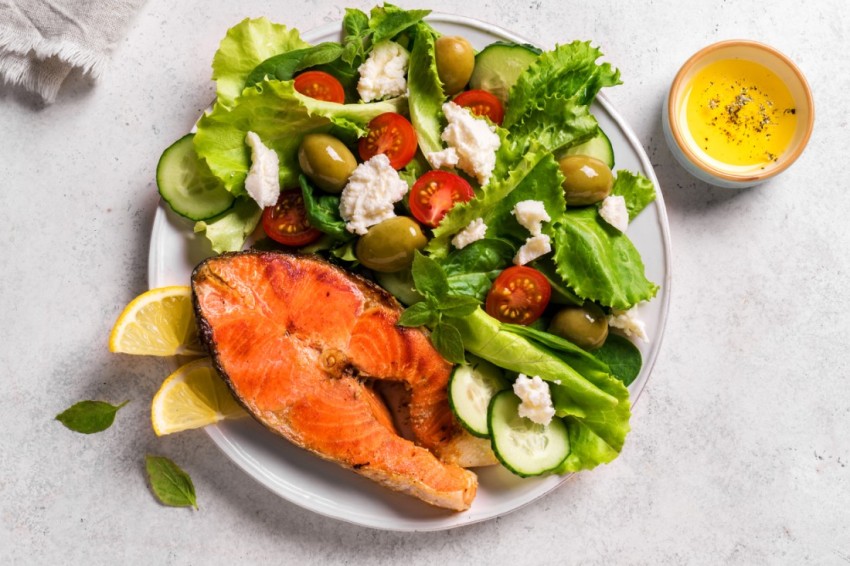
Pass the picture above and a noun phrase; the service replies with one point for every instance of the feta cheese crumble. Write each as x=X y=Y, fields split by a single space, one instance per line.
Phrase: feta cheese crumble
x=531 y=214
x=263 y=181
x=474 y=140
x=629 y=322
x=445 y=158
x=382 y=74
x=533 y=248
x=472 y=233
x=370 y=195
x=614 y=212
x=536 y=401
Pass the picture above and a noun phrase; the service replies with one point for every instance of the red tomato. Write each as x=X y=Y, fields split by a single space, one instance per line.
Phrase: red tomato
x=286 y=222
x=391 y=134
x=519 y=295
x=482 y=103
x=321 y=86
x=435 y=193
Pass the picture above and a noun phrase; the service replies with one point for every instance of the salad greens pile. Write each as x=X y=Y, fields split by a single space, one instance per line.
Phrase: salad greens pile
x=547 y=111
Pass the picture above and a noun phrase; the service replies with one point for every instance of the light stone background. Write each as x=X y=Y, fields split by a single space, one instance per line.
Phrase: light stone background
x=740 y=450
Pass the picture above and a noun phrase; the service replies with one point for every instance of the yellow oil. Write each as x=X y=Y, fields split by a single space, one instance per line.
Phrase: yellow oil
x=740 y=113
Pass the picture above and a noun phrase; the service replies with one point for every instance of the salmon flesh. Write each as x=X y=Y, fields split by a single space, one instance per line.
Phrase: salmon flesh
x=301 y=343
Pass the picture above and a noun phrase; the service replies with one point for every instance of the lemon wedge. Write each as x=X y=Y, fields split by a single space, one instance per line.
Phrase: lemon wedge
x=194 y=396
x=159 y=322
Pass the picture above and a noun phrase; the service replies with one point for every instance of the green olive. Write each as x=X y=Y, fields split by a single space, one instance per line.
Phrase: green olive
x=326 y=161
x=389 y=246
x=586 y=179
x=585 y=326
x=455 y=61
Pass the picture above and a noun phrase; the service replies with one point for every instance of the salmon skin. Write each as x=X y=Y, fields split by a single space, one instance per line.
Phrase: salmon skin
x=300 y=342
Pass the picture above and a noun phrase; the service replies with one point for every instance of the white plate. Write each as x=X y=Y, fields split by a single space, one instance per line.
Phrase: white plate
x=309 y=482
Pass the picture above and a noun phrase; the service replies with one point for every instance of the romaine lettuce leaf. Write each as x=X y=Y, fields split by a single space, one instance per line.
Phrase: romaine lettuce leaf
x=228 y=231
x=425 y=91
x=246 y=45
x=281 y=117
x=636 y=189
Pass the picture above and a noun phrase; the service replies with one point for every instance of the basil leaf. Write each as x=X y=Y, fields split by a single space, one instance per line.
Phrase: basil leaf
x=388 y=21
x=88 y=417
x=489 y=254
x=428 y=276
x=357 y=36
x=171 y=485
x=446 y=339
x=283 y=66
x=323 y=212
x=458 y=305
x=475 y=285
x=622 y=357
x=419 y=314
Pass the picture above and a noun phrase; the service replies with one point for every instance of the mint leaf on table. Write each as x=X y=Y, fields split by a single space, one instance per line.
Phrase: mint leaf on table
x=171 y=485
x=88 y=417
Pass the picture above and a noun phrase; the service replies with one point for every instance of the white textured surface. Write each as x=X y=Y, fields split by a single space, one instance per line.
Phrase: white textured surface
x=741 y=441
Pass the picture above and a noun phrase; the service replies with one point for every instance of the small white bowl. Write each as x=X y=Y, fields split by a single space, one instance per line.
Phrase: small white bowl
x=687 y=151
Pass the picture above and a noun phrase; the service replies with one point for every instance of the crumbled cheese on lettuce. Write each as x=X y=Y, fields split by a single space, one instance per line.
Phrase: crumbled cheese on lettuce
x=371 y=193
x=533 y=248
x=263 y=181
x=476 y=230
x=474 y=140
x=614 y=212
x=382 y=75
x=536 y=400
x=445 y=158
x=629 y=322
x=531 y=214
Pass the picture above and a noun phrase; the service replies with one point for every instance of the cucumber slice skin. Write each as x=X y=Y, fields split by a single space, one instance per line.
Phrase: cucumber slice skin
x=185 y=182
x=498 y=66
x=476 y=381
x=506 y=425
x=599 y=147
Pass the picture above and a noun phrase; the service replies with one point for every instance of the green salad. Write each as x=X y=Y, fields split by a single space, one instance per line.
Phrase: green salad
x=475 y=186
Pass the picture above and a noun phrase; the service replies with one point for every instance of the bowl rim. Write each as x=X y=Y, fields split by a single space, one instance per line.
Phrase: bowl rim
x=696 y=160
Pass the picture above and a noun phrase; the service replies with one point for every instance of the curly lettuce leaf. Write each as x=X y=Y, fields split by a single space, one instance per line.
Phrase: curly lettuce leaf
x=425 y=91
x=281 y=117
x=637 y=190
x=567 y=72
x=246 y=45
x=598 y=262
x=557 y=123
x=228 y=231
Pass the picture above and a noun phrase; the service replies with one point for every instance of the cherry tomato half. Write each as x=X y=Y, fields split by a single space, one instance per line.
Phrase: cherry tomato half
x=519 y=295
x=435 y=193
x=391 y=134
x=286 y=222
x=321 y=86
x=482 y=103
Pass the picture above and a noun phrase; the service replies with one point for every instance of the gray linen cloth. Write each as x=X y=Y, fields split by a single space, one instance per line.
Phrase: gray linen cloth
x=41 y=41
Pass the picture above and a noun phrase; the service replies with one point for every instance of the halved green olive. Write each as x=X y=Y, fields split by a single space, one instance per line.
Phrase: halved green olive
x=586 y=179
x=585 y=326
x=326 y=161
x=455 y=61
x=389 y=246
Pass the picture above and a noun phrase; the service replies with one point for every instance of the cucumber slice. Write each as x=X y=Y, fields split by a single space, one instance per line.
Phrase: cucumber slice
x=187 y=185
x=400 y=285
x=471 y=387
x=498 y=66
x=599 y=146
x=521 y=445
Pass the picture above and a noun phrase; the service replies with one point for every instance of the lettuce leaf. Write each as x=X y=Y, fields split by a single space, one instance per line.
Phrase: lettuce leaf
x=388 y=21
x=246 y=45
x=281 y=117
x=228 y=231
x=636 y=189
x=425 y=91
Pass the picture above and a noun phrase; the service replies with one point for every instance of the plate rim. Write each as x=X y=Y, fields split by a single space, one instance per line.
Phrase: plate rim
x=247 y=464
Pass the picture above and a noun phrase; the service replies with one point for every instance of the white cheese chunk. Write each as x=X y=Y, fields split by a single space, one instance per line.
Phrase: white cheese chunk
x=474 y=140
x=382 y=74
x=536 y=399
x=370 y=195
x=629 y=322
x=472 y=233
x=533 y=248
x=445 y=158
x=531 y=214
x=614 y=212
x=263 y=181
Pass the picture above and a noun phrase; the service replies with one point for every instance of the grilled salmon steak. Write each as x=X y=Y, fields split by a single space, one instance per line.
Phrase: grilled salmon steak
x=301 y=342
